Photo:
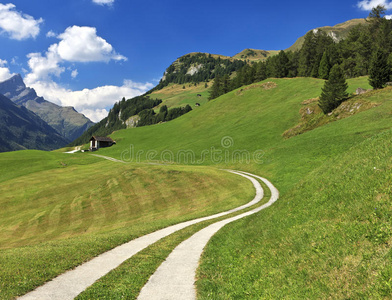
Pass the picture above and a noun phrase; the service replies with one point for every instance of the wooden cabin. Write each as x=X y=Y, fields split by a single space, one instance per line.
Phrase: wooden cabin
x=97 y=142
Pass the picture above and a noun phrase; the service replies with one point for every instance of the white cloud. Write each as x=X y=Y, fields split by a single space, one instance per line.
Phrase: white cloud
x=5 y=74
x=95 y=115
x=78 y=44
x=91 y=102
x=369 y=4
x=103 y=2
x=4 y=71
x=42 y=67
x=17 y=25
x=81 y=44
x=51 y=34
x=388 y=17
x=74 y=73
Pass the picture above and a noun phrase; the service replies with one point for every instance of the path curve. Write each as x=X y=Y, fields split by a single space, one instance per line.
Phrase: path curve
x=175 y=277
x=108 y=158
x=72 y=283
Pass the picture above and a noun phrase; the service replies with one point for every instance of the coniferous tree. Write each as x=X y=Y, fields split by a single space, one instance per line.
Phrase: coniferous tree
x=379 y=71
x=226 y=85
x=334 y=90
x=323 y=71
x=261 y=71
x=307 y=54
x=216 y=88
x=281 y=65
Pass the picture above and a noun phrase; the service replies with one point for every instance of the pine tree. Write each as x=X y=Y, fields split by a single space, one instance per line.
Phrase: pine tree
x=334 y=90
x=379 y=70
x=307 y=54
x=261 y=71
x=226 y=84
x=323 y=71
x=216 y=89
x=281 y=65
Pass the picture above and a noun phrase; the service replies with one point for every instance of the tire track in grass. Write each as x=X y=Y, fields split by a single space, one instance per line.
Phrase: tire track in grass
x=72 y=283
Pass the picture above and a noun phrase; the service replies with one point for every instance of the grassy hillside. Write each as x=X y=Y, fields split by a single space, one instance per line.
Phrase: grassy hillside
x=255 y=55
x=176 y=95
x=324 y=229
x=66 y=209
x=330 y=235
x=253 y=119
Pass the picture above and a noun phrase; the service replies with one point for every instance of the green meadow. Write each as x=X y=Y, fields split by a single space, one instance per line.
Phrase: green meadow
x=69 y=208
x=175 y=95
x=328 y=236
x=325 y=237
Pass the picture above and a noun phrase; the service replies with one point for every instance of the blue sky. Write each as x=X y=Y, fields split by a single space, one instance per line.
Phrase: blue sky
x=91 y=53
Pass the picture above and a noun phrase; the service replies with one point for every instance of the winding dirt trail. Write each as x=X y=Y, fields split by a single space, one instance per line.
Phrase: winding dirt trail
x=72 y=283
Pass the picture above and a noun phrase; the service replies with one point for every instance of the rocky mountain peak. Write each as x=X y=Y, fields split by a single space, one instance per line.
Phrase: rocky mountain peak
x=65 y=120
x=12 y=87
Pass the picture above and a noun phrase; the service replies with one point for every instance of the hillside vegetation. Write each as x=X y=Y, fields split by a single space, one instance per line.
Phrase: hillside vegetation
x=359 y=48
x=328 y=236
x=330 y=214
x=219 y=134
x=198 y=67
x=74 y=207
x=337 y=32
x=175 y=95
x=255 y=55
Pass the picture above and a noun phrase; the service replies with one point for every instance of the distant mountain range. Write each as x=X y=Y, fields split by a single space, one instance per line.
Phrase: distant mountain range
x=22 y=129
x=54 y=126
x=65 y=120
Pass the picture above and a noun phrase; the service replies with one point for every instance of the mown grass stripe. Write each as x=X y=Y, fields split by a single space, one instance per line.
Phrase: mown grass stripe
x=126 y=281
x=72 y=283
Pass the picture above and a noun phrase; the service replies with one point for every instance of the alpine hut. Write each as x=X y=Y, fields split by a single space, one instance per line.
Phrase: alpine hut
x=97 y=142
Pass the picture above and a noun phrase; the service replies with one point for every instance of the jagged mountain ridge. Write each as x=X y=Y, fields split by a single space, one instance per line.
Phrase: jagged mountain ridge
x=22 y=129
x=65 y=120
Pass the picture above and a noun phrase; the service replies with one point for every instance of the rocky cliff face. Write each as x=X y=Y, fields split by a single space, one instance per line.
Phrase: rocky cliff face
x=65 y=120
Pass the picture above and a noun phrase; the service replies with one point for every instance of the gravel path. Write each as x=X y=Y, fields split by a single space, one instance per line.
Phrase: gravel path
x=74 y=282
x=175 y=278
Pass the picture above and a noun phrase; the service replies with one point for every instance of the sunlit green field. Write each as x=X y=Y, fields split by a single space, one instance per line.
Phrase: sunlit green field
x=69 y=208
x=326 y=210
x=328 y=236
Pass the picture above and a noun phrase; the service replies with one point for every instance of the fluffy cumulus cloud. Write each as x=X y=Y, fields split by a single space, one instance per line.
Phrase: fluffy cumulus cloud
x=78 y=45
x=103 y=2
x=17 y=25
x=4 y=71
x=81 y=44
x=93 y=103
x=42 y=67
x=369 y=4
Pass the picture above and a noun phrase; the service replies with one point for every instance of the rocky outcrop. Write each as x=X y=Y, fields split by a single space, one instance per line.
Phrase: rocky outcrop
x=132 y=121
